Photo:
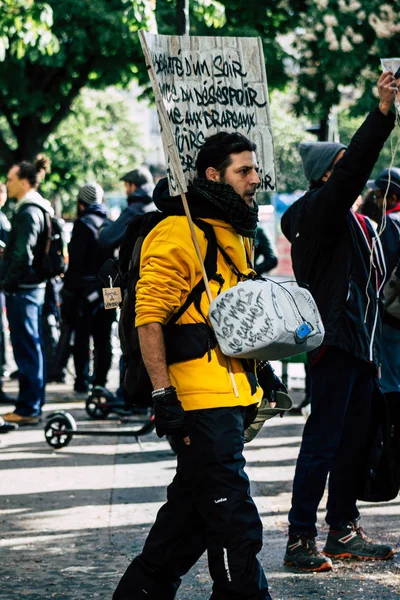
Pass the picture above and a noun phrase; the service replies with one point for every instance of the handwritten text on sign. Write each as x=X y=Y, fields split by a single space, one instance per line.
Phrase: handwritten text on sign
x=112 y=297
x=209 y=85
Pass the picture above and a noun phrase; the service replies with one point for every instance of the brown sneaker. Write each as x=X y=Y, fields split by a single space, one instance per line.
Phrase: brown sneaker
x=7 y=427
x=20 y=420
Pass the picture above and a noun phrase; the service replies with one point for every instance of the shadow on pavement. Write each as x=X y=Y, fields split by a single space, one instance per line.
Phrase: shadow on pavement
x=72 y=520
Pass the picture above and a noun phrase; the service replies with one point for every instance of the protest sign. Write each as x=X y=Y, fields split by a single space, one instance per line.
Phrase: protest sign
x=393 y=64
x=203 y=85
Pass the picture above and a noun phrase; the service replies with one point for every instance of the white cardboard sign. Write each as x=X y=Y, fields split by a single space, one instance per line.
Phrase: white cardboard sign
x=203 y=85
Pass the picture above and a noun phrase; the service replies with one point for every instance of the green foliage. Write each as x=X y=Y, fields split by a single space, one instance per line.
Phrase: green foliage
x=288 y=131
x=98 y=46
x=211 y=12
x=348 y=125
x=337 y=47
x=237 y=18
x=97 y=141
x=26 y=24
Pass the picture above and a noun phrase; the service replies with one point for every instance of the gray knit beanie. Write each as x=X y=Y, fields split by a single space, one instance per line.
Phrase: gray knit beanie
x=318 y=157
x=91 y=193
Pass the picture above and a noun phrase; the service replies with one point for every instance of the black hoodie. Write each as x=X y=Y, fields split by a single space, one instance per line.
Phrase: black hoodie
x=330 y=247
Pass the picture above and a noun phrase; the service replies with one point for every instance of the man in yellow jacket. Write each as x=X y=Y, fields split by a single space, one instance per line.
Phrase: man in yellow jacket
x=209 y=505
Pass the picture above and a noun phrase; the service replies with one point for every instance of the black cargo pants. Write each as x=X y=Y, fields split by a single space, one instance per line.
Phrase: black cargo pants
x=208 y=508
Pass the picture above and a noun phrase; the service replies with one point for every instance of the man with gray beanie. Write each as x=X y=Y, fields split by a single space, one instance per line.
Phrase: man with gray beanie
x=82 y=300
x=337 y=254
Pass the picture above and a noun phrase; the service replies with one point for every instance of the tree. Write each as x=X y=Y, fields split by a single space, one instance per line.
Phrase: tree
x=337 y=48
x=288 y=132
x=265 y=19
x=98 y=47
x=94 y=44
x=24 y=24
x=97 y=141
x=348 y=125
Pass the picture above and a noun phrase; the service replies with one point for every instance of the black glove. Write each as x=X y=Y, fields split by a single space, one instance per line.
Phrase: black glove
x=168 y=413
x=269 y=382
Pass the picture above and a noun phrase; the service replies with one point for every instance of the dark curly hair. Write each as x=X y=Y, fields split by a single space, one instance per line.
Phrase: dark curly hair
x=216 y=151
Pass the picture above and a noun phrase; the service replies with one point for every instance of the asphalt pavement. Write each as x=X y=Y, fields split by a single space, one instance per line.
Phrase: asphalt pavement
x=72 y=519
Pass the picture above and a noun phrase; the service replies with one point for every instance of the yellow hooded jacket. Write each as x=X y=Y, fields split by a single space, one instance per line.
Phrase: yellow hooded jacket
x=169 y=270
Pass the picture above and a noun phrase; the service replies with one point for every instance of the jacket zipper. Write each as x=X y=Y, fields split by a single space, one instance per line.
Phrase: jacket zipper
x=371 y=346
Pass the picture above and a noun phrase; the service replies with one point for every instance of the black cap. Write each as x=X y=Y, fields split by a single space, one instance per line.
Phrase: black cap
x=387 y=180
x=138 y=176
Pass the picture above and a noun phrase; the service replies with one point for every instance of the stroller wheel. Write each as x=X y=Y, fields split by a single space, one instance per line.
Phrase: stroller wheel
x=100 y=403
x=59 y=430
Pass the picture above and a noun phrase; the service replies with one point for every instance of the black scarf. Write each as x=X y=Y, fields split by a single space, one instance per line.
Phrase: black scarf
x=242 y=217
x=210 y=200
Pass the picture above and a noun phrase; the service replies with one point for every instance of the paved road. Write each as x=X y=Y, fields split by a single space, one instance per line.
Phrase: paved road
x=71 y=519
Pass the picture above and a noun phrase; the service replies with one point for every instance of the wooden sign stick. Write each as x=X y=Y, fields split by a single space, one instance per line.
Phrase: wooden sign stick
x=172 y=152
x=205 y=278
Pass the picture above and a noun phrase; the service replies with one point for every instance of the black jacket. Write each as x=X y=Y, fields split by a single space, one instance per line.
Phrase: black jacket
x=391 y=238
x=5 y=227
x=330 y=251
x=25 y=244
x=391 y=247
x=85 y=254
x=263 y=251
x=113 y=231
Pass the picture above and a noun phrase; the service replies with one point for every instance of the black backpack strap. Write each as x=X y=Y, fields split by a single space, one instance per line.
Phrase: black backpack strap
x=232 y=265
x=47 y=221
x=210 y=265
x=49 y=226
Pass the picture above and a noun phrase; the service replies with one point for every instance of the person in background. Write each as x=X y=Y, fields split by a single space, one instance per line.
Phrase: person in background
x=139 y=188
x=51 y=329
x=264 y=257
x=369 y=208
x=25 y=287
x=5 y=227
x=82 y=300
x=387 y=184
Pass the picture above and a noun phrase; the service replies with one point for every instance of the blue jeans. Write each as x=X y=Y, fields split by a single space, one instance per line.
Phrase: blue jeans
x=334 y=441
x=24 y=313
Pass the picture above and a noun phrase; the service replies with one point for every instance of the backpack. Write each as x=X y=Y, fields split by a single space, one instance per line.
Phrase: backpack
x=379 y=476
x=53 y=261
x=182 y=342
x=49 y=258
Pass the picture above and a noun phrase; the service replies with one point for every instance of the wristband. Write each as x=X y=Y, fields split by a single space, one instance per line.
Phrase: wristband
x=162 y=391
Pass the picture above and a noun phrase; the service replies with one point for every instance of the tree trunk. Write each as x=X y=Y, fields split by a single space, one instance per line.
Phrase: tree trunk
x=30 y=138
x=182 y=17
